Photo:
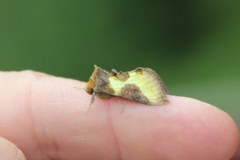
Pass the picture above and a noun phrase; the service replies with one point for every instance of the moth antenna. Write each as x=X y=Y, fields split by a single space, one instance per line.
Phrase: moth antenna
x=120 y=104
x=78 y=87
x=92 y=100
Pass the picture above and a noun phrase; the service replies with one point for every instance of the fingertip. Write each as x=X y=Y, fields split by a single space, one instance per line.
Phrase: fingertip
x=185 y=127
x=221 y=131
x=229 y=135
x=20 y=155
x=9 y=151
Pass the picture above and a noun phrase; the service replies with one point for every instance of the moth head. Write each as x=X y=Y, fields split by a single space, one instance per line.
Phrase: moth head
x=89 y=88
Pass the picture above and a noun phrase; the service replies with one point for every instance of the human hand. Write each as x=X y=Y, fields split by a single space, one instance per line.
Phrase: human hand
x=45 y=117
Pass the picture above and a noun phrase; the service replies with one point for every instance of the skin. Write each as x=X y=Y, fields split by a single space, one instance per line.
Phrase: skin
x=45 y=118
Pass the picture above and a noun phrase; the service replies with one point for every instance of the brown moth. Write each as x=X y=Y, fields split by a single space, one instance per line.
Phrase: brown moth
x=142 y=85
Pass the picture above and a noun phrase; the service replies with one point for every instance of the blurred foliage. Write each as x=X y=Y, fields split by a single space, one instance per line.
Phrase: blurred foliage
x=194 y=45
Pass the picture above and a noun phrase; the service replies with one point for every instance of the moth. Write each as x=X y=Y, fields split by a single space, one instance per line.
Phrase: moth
x=142 y=85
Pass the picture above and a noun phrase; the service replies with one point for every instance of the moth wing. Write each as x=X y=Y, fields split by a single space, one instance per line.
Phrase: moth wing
x=152 y=90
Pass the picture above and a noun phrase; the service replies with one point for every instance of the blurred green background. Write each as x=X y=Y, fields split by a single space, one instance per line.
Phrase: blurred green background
x=193 y=45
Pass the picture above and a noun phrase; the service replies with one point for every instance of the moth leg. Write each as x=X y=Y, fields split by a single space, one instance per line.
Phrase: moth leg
x=123 y=107
x=92 y=100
